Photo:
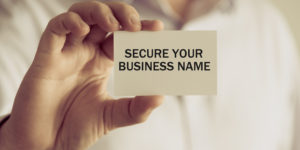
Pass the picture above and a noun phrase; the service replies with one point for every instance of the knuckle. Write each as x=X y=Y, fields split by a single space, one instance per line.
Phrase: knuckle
x=70 y=15
x=74 y=18
x=54 y=20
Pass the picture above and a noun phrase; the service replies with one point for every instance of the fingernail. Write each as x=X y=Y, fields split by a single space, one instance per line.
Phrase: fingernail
x=135 y=20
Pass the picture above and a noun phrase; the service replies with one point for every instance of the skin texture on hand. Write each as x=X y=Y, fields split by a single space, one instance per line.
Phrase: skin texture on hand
x=62 y=103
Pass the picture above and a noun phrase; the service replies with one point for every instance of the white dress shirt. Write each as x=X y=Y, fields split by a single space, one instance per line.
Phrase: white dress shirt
x=255 y=108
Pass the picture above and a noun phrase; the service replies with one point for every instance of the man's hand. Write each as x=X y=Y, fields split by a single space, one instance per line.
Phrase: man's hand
x=62 y=103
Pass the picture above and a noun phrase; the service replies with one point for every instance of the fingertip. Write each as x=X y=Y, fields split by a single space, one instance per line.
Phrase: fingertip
x=84 y=28
x=133 y=27
x=157 y=100
x=151 y=102
x=158 y=25
x=152 y=25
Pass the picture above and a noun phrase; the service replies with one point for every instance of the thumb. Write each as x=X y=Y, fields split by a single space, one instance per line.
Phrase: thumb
x=130 y=111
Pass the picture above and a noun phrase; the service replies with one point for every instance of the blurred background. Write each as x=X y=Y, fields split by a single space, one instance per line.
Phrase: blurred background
x=290 y=9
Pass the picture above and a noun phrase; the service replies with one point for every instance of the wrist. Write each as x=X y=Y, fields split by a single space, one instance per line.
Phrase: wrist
x=9 y=140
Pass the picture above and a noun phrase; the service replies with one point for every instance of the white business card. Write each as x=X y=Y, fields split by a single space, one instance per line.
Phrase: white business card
x=165 y=63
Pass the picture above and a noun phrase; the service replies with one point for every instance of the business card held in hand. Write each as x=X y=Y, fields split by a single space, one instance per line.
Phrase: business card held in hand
x=165 y=63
